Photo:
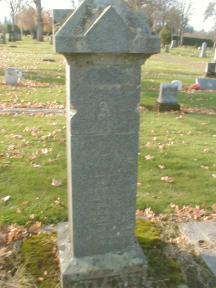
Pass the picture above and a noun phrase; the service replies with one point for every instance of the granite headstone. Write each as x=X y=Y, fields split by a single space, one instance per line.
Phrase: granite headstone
x=167 y=100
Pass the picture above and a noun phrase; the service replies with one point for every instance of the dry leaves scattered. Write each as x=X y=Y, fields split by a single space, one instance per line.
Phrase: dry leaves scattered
x=56 y=183
x=179 y=214
x=167 y=179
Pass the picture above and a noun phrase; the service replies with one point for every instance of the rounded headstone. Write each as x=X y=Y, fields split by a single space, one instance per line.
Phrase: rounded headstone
x=178 y=83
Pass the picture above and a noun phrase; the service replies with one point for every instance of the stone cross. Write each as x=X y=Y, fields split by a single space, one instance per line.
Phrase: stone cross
x=104 y=44
x=167 y=100
x=203 y=50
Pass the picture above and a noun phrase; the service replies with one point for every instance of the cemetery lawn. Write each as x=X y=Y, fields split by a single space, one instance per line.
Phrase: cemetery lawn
x=44 y=75
x=32 y=169
x=180 y=148
x=177 y=160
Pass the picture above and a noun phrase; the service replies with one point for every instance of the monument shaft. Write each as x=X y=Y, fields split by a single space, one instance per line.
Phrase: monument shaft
x=105 y=44
x=103 y=123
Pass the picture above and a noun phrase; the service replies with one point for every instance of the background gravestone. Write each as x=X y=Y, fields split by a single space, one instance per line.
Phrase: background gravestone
x=167 y=100
x=105 y=44
x=173 y=44
x=203 y=50
x=210 y=70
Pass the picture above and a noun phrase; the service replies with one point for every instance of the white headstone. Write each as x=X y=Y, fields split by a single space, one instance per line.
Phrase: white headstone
x=203 y=50
x=178 y=83
x=12 y=76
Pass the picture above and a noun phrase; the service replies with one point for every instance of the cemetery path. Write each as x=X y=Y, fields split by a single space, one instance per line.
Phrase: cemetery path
x=31 y=111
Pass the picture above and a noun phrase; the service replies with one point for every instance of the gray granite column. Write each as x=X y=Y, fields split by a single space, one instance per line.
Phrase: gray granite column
x=105 y=45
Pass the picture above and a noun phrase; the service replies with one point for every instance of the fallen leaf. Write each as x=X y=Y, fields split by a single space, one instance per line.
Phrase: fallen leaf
x=149 y=157
x=56 y=183
x=161 y=167
x=35 y=228
x=6 y=199
x=167 y=179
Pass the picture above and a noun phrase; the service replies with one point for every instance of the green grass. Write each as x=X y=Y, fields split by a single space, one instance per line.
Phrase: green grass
x=32 y=155
x=29 y=56
x=186 y=147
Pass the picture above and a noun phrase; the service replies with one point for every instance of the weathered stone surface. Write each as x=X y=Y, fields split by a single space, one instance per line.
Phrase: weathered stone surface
x=12 y=76
x=168 y=94
x=206 y=83
x=60 y=16
x=105 y=45
x=92 y=28
x=167 y=100
x=203 y=236
x=124 y=269
x=210 y=70
x=203 y=50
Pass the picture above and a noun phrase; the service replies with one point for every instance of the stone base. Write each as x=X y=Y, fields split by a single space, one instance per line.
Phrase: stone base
x=168 y=107
x=125 y=269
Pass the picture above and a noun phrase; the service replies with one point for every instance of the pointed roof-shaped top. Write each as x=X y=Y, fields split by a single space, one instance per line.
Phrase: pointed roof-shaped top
x=106 y=26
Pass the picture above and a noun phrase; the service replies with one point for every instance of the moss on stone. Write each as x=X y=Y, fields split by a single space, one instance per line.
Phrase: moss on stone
x=160 y=268
x=38 y=258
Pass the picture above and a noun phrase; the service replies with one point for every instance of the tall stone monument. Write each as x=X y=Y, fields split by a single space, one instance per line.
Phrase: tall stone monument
x=105 y=44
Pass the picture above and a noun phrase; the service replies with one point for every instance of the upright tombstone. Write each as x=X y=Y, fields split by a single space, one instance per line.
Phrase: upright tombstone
x=203 y=50
x=167 y=100
x=105 y=44
x=12 y=76
x=210 y=70
x=173 y=44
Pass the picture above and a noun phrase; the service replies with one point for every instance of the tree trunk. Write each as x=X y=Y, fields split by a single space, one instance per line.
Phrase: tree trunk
x=39 y=20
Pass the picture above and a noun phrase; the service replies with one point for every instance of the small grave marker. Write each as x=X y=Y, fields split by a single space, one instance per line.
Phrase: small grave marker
x=12 y=76
x=167 y=100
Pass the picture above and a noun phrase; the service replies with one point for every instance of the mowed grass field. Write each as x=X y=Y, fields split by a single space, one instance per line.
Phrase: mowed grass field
x=177 y=158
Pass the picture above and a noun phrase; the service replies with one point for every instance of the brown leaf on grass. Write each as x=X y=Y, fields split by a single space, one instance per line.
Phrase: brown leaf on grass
x=56 y=183
x=204 y=167
x=15 y=233
x=35 y=228
x=149 y=157
x=40 y=279
x=161 y=167
x=167 y=179
x=34 y=165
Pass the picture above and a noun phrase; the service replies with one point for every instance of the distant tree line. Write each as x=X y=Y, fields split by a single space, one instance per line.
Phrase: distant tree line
x=29 y=17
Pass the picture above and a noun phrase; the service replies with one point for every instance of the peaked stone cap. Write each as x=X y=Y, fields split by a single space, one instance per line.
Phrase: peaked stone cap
x=106 y=26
